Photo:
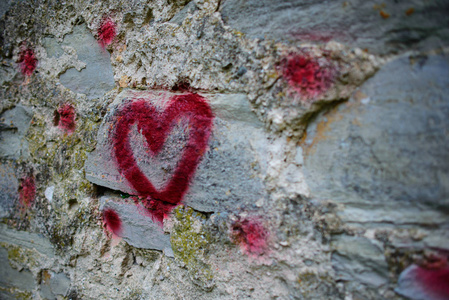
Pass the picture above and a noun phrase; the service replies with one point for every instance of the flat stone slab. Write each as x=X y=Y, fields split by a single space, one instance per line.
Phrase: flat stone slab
x=97 y=78
x=136 y=226
x=9 y=186
x=357 y=258
x=385 y=153
x=27 y=240
x=226 y=175
x=378 y=27
x=14 y=124
x=13 y=278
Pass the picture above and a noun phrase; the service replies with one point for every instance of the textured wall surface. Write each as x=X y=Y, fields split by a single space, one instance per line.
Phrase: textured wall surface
x=224 y=149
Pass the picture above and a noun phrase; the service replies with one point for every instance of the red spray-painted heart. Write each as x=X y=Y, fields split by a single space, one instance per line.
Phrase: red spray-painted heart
x=155 y=125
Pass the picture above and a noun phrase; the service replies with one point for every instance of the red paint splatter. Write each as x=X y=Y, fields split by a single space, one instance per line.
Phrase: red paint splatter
x=251 y=235
x=112 y=222
x=27 y=191
x=155 y=126
x=65 y=118
x=307 y=76
x=106 y=31
x=27 y=61
x=428 y=281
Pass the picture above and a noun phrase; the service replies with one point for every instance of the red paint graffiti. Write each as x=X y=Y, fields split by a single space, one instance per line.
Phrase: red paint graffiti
x=251 y=235
x=307 y=76
x=27 y=191
x=65 y=118
x=155 y=126
x=112 y=222
x=106 y=31
x=27 y=61
x=428 y=281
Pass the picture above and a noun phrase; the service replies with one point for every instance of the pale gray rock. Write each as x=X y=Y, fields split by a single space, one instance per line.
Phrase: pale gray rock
x=138 y=228
x=9 y=186
x=57 y=284
x=225 y=178
x=383 y=158
x=97 y=78
x=13 y=278
x=381 y=28
x=27 y=240
x=4 y=7
x=385 y=155
x=356 y=258
x=14 y=124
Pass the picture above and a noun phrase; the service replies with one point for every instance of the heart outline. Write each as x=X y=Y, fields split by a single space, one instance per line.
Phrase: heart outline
x=155 y=126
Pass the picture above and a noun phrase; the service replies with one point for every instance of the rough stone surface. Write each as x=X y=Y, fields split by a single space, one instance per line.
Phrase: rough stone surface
x=96 y=77
x=353 y=254
x=387 y=147
x=138 y=229
x=379 y=27
x=381 y=157
x=9 y=186
x=227 y=159
x=324 y=174
x=13 y=127
x=10 y=277
x=27 y=240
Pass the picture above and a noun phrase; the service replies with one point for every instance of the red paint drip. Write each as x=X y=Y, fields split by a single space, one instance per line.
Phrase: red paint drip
x=155 y=126
x=106 y=31
x=27 y=61
x=307 y=76
x=429 y=281
x=27 y=191
x=112 y=222
x=65 y=119
x=158 y=209
x=251 y=235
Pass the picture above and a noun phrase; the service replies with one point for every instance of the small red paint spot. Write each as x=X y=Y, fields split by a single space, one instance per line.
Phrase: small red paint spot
x=307 y=76
x=27 y=61
x=112 y=222
x=106 y=31
x=428 y=281
x=27 y=191
x=251 y=235
x=155 y=126
x=65 y=118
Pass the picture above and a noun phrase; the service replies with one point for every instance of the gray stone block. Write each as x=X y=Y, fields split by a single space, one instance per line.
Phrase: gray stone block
x=14 y=124
x=137 y=226
x=56 y=284
x=385 y=153
x=9 y=186
x=381 y=28
x=27 y=240
x=356 y=258
x=97 y=78
x=4 y=7
x=226 y=175
x=9 y=277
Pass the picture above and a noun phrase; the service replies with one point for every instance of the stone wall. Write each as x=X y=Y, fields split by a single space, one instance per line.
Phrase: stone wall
x=224 y=149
